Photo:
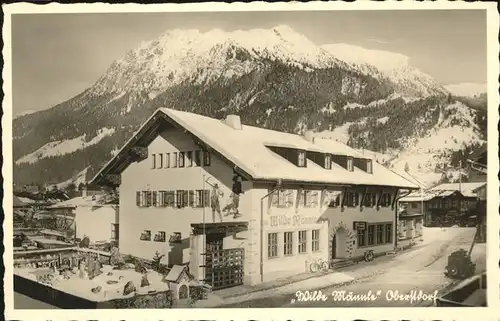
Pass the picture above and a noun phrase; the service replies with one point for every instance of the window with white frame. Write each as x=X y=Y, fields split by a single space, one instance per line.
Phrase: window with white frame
x=153 y=161
x=302 y=241
x=315 y=240
x=175 y=160
x=328 y=161
x=167 y=160
x=288 y=243
x=160 y=161
x=160 y=236
x=272 y=245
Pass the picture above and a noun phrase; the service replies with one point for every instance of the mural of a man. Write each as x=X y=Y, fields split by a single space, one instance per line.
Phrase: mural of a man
x=215 y=201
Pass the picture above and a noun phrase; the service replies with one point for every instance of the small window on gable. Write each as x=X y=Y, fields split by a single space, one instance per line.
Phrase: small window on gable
x=160 y=161
x=328 y=161
x=350 y=164
x=369 y=166
x=174 y=160
x=301 y=159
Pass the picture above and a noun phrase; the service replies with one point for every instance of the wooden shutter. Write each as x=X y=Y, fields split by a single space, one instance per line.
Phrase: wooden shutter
x=289 y=198
x=138 y=198
x=191 y=198
x=148 y=198
x=206 y=198
x=154 y=198
x=275 y=199
x=185 y=199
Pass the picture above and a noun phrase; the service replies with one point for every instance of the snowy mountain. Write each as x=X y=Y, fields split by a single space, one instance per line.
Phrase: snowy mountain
x=274 y=78
x=467 y=89
x=408 y=80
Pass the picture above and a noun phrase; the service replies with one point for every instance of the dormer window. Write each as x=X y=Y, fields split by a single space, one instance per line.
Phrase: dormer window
x=350 y=164
x=369 y=166
x=301 y=162
x=328 y=161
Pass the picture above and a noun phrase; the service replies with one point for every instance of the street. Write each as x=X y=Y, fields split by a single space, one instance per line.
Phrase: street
x=419 y=269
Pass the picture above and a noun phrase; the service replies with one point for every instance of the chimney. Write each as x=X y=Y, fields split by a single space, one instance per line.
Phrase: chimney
x=233 y=121
x=309 y=136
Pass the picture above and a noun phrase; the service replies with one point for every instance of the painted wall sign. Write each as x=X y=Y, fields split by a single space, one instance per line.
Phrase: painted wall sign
x=290 y=221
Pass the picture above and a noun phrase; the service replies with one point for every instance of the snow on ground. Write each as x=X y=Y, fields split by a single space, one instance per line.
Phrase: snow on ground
x=63 y=147
x=353 y=105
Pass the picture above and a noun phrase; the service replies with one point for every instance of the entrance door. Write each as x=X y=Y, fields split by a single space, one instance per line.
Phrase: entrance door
x=334 y=247
x=224 y=267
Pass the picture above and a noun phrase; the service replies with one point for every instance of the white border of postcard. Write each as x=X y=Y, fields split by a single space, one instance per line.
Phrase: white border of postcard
x=493 y=256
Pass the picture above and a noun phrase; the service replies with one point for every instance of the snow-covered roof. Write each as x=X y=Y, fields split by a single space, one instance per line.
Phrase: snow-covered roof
x=467 y=189
x=26 y=200
x=444 y=190
x=247 y=150
x=82 y=201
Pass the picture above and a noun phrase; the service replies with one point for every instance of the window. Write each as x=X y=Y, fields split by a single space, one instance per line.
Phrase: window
x=328 y=161
x=138 y=198
x=160 y=237
x=454 y=203
x=370 y=199
x=380 y=234
x=174 y=160
x=179 y=196
x=185 y=199
x=284 y=198
x=160 y=161
x=315 y=240
x=352 y=199
x=272 y=245
x=371 y=234
x=146 y=235
x=167 y=160
x=181 y=159
x=335 y=202
x=309 y=198
x=388 y=233
x=414 y=205
x=288 y=243
x=189 y=156
x=154 y=199
x=350 y=164
x=197 y=158
x=206 y=158
x=191 y=198
x=166 y=198
x=386 y=200
x=115 y=232
x=369 y=166
x=361 y=237
x=175 y=237
x=149 y=197
x=301 y=162
x=302 y=241
x=153 y=161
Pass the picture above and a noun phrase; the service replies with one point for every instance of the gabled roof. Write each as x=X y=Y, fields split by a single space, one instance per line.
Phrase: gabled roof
x=247 y=151
x=82 y=201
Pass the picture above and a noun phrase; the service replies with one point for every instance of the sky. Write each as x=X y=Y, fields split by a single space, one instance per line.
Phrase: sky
x=57 y=56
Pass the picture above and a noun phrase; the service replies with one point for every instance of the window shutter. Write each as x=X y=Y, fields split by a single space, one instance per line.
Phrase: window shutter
x=138 y=198
x=314 y=199
x=206 y=198
x=185 y=199
x=289 y=198
x=191 y=198
x=275 y=198
x=154 y=198
x=148 y=198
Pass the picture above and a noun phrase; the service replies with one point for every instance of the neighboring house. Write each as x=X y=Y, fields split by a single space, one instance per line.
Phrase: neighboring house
x=477 y=166
x=94 y=216
x=297 y=198
x=481 y=193
x=443 y=205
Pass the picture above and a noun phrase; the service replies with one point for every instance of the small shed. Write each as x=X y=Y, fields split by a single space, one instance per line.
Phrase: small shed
x=179 y=280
